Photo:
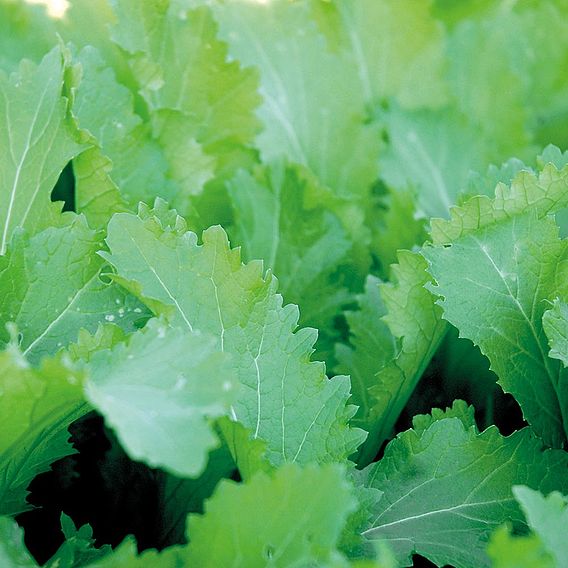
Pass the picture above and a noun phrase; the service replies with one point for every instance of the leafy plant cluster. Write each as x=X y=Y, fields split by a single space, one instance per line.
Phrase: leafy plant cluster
x=190 y=189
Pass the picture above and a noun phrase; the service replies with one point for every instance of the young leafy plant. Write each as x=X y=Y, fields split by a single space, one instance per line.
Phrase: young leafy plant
x=258 y=258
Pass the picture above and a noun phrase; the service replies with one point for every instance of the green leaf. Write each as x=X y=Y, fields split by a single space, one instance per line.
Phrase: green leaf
x=545 y=192
x=105 y=337
x=303 y=512
x=37 y=406
x=407 y=67
x=507 y=259
x=446 y=487
x=485 y=183
x=287 y=399
x=548 y=518
x=275 y=222
x=78 y=548
x=452 y=13
x=158 y=391
x=416 y=330
x=431 y=152
x=493 y=283
x=498 y=115
x=555 y=324
x=39 y=139
x=248 y=453
x=13 y=552
x=202 y=105
x=553 y=155
x=179 y=497
x=541 y=27
x=507 y=551
x=87 y=23
x=328 y=134
x=63 y=261
x=398 y=228
x=459 y=409
x=126 y=556
x=25 y=32
x=371 y=345
x=125 y=166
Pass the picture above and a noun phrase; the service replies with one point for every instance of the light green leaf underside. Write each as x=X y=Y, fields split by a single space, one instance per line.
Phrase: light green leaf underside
x=50 y=287
x=38 y=138
x=493 y=284
x=446 y=487
x=158 y=393
x=37 y=406
x=317 y=501
x=287 y=399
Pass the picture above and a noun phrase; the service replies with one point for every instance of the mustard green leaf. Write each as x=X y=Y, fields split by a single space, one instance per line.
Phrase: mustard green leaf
x=26 y=32
x=126 y=556
x=51 y=288
x=37 y=406
x=328 y=134
x=202 y=104
x=13 y=551
x=287 y=400
x=416 y=325
x=181 y=496
x=400 y=227
x=548 y=518
x=544 y=192
x=39 y=138
x=508 y=551
x=306 y=245
x=158 y=392
x=317 y=500
x=498 y=116
x=503 y=273
x=371 y=345
x=78 y=548
x=432 y=152
x=555 y=324
x=408 y=67
x=248 y=453
x=125 y=165
x=106 y=336
x=446 y=487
